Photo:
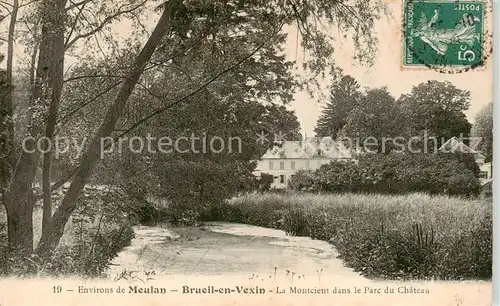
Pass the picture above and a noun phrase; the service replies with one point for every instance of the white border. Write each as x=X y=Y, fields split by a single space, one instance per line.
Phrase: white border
x=496 y=153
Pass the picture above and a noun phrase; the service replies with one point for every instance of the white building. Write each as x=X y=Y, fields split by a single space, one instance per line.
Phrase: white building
x=309 y=154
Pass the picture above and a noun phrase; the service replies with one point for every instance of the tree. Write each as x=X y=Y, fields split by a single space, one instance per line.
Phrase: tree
x=230 y=108
x=180 y=21
x=483 y=129
x=61 y=216
x=6 y=109
x=374 y=118
x=437 y=108
x=19 y=199
x=46 y=83
x=345 y=94
x=5 y=136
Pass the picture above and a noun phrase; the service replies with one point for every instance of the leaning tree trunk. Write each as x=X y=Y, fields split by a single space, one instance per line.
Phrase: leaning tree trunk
x=50 y=240
x=19 y=199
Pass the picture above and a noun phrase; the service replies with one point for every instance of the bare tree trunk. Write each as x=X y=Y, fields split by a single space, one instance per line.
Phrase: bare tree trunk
x=33 y=66
x=61 y=216
x=10 y=42
x=56 y=77
x=19 y=205
x=7 y=129
x=6 y=138
x=19 y=197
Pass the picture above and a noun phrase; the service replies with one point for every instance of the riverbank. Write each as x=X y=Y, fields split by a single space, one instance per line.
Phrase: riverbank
x=227 y=254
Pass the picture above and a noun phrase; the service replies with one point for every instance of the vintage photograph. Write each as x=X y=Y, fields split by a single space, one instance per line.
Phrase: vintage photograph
x=235 y=152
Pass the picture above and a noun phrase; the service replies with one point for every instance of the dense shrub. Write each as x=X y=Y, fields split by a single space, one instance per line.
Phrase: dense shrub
x=414 y=236
x=395 y=173
x=264 y=182
x=187 y=187
x=302 y=180
x=150 y=211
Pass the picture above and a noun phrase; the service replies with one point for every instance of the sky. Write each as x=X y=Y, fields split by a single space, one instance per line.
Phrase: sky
x=387 y=71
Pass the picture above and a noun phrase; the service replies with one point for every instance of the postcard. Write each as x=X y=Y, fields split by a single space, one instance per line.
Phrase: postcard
x=237 y=152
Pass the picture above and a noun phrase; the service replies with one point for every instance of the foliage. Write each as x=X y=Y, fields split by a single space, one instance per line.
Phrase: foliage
x=196 y=42
x=438 y=108
x=303 y=180
x=412 y=236
x=231 y=108
x=345 y=94
x=396 y=173
x=265 y=181
x=483 y=129
x=376 y=116
x=374 y=120
x=190 y=185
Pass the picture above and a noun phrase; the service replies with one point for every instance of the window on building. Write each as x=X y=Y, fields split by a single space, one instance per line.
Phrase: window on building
x=282 y=179
x=483 y=174
x=271 y=165
x=292 y=165
x=282 y=165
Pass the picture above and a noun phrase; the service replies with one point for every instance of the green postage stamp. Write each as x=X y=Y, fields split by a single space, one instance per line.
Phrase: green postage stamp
x=444 y=34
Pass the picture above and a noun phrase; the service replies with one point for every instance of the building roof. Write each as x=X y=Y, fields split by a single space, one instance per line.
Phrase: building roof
x=487 y=183
x=309 y=148
x=454 y=145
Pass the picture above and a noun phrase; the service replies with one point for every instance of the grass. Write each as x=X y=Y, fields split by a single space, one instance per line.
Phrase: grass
x=414 y=236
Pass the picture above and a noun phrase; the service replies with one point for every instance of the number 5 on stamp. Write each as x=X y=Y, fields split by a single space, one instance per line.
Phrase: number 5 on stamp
x=443 y=34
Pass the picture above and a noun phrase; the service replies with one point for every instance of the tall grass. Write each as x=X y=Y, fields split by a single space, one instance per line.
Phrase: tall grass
x=413 y=236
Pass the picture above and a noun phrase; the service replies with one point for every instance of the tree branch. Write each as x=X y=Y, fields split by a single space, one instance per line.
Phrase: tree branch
x=77 y=4
x=74 y=22
x=102 y=25
x=210 y=81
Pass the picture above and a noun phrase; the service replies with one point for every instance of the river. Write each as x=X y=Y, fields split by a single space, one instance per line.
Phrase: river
x=227 y=253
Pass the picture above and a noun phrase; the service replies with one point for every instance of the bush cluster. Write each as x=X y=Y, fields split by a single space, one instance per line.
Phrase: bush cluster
x=414 y=236
x=395 y=173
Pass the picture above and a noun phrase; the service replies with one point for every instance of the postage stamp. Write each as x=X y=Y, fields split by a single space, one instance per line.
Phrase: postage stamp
x=444 y=34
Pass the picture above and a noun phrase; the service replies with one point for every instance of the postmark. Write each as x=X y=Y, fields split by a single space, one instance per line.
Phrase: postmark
x=447 y=36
